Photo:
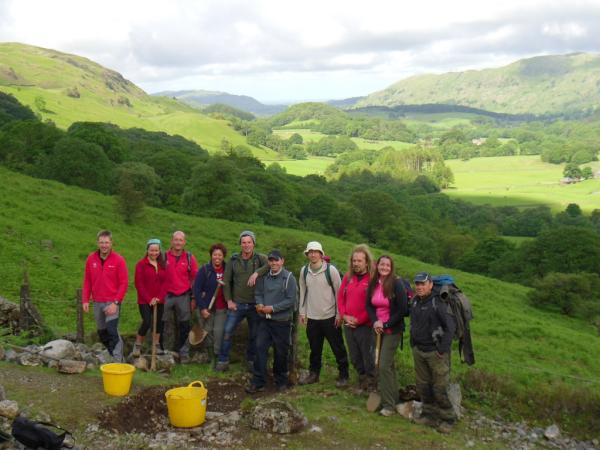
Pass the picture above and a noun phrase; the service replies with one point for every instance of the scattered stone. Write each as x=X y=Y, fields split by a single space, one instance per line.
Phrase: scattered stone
x=71 y=366
x=165 y=362
x=406 y=409
x=211 y=415
x=29 y=359
x=552 y=432
x=104 y=357
x=231 y=419
x=276 y=416
x=98 y=347
x=141 y=363
x=455 y=397
x=316 y=429
x=9 y=409
x=59 y=349
x=53 y=364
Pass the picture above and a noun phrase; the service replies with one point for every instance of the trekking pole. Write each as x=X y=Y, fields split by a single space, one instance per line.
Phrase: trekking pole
x=153 y=360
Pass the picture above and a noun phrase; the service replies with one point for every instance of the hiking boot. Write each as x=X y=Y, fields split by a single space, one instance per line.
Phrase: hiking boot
x=250 y=366
x=342 y=382
x=222 y=366
x=253 y=389
x=137 y=351
x=387 y=412
x=311 y=378
x=445 y=427
x=426 y=421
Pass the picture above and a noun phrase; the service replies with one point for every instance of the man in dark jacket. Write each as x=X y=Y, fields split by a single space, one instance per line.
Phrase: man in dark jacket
x=432 y=328
x=275 y=296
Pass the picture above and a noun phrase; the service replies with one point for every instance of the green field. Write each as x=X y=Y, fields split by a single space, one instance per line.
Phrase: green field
x=309 y=136
x=520 y=181
x=31 y=73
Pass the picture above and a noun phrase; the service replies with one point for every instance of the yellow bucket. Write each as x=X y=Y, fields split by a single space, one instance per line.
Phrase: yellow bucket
x=187 y=405
x=117 y=378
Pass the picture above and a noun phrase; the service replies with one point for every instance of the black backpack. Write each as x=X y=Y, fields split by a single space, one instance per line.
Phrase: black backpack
x=36 y=435
x=460 y=307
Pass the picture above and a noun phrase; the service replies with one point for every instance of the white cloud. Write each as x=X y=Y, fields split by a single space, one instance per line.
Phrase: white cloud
x=278 y=49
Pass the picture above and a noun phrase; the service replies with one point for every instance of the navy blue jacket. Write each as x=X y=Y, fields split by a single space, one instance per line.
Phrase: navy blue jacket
x=205 y=285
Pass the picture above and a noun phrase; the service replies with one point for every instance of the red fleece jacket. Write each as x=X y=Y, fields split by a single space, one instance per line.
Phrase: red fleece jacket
x=179 y=279
x=105 y=282
x=352 y=298
x=149 y=282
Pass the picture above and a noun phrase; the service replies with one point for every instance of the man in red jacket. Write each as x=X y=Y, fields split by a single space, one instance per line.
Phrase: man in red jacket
x=352 y=304
x=181 y=272
x=105 y=282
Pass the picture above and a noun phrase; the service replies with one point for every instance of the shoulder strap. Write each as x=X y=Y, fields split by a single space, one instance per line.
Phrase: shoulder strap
x=189 y=261
x=328 y=276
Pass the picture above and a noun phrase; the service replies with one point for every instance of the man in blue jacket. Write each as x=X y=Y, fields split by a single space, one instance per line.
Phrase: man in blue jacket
x=275 y=295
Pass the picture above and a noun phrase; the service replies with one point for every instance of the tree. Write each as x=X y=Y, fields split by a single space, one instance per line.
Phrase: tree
x=572 y=170
x=587 y=173
x=40 y=103
x=130 y=201
x=571 y=294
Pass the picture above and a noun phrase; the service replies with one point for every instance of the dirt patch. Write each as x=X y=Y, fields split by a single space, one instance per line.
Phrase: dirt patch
x=146 y=411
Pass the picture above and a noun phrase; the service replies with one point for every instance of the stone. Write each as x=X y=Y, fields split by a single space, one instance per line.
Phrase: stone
x=210 y=415
x=9 y=409
x=316 y=429
x=53 y=364
x=165 y=362
x=552 y=432
x=276 y=416
x=98 y=347
x=29 y=359
x=231 y=419
x=141 y=363
x=104 y=357
x=71 y=366
x=201 y=358
x=455 y=397
x=33 y=349
x=59 y=349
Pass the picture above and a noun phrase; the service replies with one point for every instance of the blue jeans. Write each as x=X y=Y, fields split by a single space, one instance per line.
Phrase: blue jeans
x=244 y=311
x=271 y=333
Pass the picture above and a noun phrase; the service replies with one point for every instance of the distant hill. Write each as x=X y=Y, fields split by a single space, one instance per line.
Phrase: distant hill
x=555 y=84
x=201 y=98
x=66 y=88
x=346 y=102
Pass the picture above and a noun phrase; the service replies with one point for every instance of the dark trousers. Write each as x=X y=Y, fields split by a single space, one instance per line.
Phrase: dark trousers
x=247 y=311
x=146 y=313
x=361 y=346
x=319 y=330
x=433 y=376
x=276 y=334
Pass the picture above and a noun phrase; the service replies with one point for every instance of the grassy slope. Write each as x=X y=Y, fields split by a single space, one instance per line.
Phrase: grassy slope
x=511 y=338
x=520 y=181
x=29 y=72
x=545 y=84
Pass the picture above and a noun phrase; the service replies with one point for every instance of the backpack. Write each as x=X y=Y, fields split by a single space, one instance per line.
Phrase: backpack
x=410 y=293
x=327 y=276
x=189 y=261
x=255 y=258
x=459 y=306
x=35 y=435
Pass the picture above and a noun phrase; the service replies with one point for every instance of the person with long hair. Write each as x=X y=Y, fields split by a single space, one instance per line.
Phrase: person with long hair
x=150 y=283
x=387 y=305
x=352 y=305
x=208 y=293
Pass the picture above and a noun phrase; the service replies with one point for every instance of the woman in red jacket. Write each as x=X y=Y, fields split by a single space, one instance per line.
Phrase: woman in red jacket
x=151 y=290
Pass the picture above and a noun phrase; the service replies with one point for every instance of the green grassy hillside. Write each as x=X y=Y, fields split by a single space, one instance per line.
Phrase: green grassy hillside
x=540 y=85
x=529 y=355
x=67 y=88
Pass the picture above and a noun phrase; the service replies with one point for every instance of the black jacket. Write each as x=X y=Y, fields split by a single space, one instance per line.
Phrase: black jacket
x=398 y=308
x=427 y=316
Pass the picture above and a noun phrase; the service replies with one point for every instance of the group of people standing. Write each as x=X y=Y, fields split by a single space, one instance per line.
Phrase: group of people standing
x=362 y=311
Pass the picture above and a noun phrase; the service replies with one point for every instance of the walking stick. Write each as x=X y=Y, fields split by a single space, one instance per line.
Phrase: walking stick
x=153 y=361
x=377 y=350
x=374 y=399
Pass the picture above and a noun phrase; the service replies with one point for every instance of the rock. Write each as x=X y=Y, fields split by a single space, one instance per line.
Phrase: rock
x=552 y=432
x=53 y=364
x=104 y=357
x=141 y=363
x=406 y=409
x=316 y=429
x=276 y=416
x=9 y=409
x=165 y=362
x=98 y=347
x=455 y=397
x=210 y=415
x=33 y=349
x=59 y=349
x=200 y=358
x=29 y=359
x=231 y=419
x=71 y=366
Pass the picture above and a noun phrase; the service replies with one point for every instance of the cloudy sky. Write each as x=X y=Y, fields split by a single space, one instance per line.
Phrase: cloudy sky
x=279 y=50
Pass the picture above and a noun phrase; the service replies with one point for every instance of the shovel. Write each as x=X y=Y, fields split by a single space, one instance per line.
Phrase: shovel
x=374 y=400
x=153 y=360
x=198 y=333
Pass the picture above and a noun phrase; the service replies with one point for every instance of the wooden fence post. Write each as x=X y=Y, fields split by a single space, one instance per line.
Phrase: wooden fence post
x=79 y=307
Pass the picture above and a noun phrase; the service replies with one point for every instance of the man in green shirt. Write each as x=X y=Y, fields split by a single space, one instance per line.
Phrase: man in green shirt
x=240 y=277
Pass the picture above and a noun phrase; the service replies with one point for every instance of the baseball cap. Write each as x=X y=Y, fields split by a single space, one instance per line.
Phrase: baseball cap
x=275 y=254
x=422 y=277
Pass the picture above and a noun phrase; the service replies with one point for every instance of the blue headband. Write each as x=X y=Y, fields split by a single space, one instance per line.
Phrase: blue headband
x=153 y=241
